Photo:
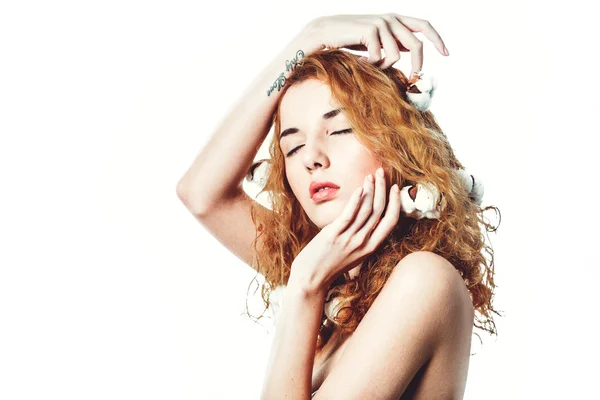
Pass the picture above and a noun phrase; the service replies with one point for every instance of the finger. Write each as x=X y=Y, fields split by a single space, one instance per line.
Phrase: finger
x=389 y=221
x=392 y=53
x=378 y=204
x=365 y=208
x=371 y=40
x=423 y=26
x=347 y=216
x=416 y=58
x=410 y=41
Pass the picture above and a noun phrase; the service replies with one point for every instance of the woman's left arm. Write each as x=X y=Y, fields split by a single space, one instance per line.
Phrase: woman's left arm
x=336 y=249
x=290 y=366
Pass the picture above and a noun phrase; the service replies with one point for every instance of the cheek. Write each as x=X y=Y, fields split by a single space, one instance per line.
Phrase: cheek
x=360 y=160
x=294 y=182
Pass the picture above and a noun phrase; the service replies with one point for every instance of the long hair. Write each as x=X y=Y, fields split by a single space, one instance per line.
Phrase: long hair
x=412 y=148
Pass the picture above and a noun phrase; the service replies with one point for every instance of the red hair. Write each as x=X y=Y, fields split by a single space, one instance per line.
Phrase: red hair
x=412 y=148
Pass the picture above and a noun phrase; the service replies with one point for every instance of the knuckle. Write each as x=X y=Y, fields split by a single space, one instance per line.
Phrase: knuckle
x=372 y=30
x=357 y=241
x=330 y=237
x=330 y=240
x=346 y=245
x=372 y=247
x=382 y=22
x=426 y=23
x=339 y=240
x=353 y=244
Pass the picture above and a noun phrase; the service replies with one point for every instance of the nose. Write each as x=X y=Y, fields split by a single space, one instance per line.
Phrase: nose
x=315 y=154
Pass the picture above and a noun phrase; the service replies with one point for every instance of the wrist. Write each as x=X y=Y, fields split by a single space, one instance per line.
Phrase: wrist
x=308 y=39
x=308 y=284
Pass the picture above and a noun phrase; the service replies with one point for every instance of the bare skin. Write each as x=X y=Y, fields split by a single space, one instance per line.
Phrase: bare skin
x=449 y=364
x=323 y=147
x=414 y=341
x=443 y=376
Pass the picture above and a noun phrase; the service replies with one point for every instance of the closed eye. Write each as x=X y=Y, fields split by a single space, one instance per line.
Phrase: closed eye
x=332 y=133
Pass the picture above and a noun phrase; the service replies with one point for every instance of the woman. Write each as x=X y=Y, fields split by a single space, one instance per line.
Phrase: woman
x=407 y=290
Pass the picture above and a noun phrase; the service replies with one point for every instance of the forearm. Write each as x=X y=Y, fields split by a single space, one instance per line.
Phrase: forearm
x=289 y=370
x=230 y=151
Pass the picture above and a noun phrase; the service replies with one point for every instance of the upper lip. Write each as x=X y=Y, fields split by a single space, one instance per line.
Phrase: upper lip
x=316 y=185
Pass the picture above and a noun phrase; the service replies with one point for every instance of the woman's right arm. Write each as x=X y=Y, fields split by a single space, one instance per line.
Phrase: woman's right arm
x=212 y=189
x=219 y=169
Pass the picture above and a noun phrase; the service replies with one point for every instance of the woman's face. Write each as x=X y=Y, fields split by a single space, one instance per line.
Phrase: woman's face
x=308 y=120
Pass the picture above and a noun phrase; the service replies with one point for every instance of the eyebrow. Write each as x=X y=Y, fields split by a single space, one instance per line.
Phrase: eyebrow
x=326 y=116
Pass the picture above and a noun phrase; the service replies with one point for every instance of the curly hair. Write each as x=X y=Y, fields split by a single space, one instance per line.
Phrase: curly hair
x=412 y=148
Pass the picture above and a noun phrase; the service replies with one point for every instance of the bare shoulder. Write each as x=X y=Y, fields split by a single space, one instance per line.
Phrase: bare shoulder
x=431 y=271
x=422 y=311
x=427 y=262
x=438 y=283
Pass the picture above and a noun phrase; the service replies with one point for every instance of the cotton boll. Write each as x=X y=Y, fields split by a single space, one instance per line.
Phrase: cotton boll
x=420 y=203
x=426 y=85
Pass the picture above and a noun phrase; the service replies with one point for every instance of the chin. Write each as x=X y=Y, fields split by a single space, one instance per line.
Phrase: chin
x=322 y=214
x=325 y=219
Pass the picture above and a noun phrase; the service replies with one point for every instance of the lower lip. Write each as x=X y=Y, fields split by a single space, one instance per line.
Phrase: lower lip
x=324 y=194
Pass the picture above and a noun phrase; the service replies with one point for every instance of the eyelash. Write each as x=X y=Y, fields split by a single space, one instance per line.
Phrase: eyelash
x=333 y=133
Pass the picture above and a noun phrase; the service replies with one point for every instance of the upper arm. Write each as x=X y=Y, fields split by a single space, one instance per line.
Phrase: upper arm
x=422 y=300
x=230 y=222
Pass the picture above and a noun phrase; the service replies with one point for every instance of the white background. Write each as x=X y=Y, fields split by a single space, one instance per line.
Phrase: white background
x=110 y=289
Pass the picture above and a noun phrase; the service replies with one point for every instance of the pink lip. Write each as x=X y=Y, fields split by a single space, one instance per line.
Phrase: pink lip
x=316 y=185
x=324 y=194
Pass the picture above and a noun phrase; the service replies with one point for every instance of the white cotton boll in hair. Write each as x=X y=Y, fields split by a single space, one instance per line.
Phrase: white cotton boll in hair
x=258 y=176
x=466 y=179
x=427 y=86
x=424 y=203
x=331 y=307
x=477 y=190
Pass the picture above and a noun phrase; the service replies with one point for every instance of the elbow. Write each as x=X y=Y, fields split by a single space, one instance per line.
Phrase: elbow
x=182 y=192
x=195 y=206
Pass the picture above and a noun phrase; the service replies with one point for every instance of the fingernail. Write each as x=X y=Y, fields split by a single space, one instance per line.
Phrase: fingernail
x=371 y=179
x=396 y=188
x=446 y=52
x=380 y=171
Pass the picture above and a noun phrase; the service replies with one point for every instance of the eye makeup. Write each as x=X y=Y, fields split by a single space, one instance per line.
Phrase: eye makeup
x=291 y=152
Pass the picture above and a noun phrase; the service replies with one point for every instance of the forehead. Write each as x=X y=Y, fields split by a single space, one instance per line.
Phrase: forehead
x=306 y=100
